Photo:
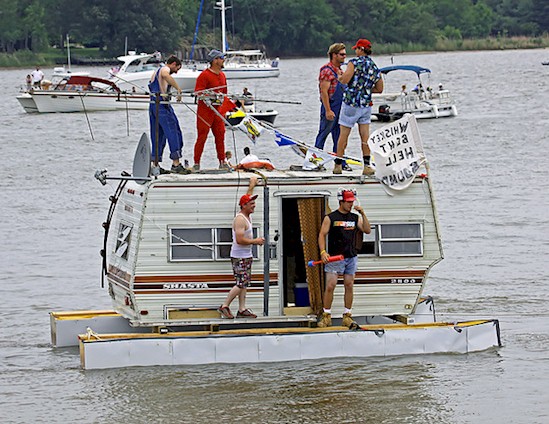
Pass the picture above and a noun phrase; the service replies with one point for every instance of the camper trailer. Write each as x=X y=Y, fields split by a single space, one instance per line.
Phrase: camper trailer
x=168 y=246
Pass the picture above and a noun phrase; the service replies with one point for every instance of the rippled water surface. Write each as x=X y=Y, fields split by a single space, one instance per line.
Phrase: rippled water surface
x=490 y=170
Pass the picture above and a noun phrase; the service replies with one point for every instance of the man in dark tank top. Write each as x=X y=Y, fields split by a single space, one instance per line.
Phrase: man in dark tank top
x=341 y=227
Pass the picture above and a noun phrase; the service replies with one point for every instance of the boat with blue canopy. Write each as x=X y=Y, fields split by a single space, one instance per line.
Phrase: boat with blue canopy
x=422 y=100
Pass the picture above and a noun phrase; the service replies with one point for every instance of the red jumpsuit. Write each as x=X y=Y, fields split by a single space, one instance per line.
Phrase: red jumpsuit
x=207 y=118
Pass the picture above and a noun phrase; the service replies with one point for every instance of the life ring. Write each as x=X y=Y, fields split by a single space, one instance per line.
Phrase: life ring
x=260 y=164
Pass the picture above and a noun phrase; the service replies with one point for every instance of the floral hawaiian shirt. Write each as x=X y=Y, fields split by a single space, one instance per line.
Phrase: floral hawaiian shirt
x=359 y=90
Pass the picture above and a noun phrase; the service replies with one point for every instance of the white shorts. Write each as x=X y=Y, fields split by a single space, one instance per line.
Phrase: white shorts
x=349 y=116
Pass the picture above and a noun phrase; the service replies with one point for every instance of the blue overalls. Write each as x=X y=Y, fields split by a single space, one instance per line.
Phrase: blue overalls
x=168 y=125
x=326 y=127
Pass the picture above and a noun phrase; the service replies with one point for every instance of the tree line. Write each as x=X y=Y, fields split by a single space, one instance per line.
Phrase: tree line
x=282 y=27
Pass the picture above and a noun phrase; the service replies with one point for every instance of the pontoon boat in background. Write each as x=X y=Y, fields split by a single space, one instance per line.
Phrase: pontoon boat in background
x=422 y=100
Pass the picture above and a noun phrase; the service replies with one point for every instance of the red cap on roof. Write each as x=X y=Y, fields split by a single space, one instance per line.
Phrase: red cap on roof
x=348 y=196
x=363 y=43
x=246 y=199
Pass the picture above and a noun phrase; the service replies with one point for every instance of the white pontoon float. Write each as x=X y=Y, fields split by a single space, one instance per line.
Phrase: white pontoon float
x=167 y=269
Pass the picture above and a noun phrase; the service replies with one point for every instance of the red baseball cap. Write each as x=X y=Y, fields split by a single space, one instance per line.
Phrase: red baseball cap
x=348 y=196
x=363 y=43
x=246 y=199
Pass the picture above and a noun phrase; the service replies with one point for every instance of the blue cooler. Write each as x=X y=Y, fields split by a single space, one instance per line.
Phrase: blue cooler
x=301 y=292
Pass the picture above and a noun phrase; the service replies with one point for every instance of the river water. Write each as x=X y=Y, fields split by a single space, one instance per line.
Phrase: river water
x=489 y=167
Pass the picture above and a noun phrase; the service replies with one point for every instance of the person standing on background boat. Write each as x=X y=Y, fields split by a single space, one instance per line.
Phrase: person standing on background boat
x=242 y=255
x=363 y=78
x=162 y=119
x=37 y=77
x=342 y=228
x=331 y=97
x=211 y=79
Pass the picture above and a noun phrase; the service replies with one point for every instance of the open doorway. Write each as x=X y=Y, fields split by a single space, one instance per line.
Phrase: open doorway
x=302 y=286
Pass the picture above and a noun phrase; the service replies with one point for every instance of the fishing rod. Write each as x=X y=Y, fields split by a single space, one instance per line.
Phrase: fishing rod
x=213 y=95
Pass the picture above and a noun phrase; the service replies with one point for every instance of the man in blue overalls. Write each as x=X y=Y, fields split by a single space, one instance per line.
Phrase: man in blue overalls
x=163 y=122
x=331 y=97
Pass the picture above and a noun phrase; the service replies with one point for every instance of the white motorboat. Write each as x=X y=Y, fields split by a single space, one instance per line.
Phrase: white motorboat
x=422 y=101
x=137 y=69
x=80 y=93
x=166 y=261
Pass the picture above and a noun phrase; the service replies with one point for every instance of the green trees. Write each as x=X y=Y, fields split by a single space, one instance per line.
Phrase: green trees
x=285 y=27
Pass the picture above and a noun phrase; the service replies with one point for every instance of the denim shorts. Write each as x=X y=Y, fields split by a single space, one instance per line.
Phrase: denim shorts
x=346 y=266
x=349 y=116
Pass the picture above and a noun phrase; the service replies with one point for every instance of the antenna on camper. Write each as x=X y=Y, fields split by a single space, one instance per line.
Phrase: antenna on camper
x=141 y=164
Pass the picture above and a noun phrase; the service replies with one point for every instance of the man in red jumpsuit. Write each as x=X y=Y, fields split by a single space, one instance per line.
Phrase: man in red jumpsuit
x=211 y=79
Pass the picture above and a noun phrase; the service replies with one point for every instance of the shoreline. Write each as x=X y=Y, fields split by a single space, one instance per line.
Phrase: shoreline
x=26 y=59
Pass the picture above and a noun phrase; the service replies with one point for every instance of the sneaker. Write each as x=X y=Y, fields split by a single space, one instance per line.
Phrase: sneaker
x=224 y=166
x=368 y=170
x=325 y=320
x=164 y=171
x=196 y=167
x=337 y=169
x=180 y=169
x=347 y=320
x=246 y=313
x=347 y=168
x=225 y=312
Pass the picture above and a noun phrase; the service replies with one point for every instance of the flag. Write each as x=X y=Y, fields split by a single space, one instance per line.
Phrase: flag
x=226 y=106
x=316 y=158
x=398 y=152
x=251 y=127
x=283 y=140
x=237 y=114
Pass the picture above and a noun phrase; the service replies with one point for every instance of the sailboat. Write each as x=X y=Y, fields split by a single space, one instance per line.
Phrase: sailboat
x=240 y=64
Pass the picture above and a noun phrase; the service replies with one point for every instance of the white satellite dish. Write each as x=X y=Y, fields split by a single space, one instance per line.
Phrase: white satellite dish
x=142 y=160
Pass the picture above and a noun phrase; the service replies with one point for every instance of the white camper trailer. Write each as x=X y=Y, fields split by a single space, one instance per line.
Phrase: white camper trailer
x=169 y=243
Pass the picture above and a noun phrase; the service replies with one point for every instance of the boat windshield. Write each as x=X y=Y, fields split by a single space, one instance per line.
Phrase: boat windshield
x=140 y=65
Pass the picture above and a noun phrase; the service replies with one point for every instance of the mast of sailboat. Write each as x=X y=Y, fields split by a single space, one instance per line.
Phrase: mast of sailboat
x=68 y=52
x=223 y=35
x=191 y=56
x=221 y=5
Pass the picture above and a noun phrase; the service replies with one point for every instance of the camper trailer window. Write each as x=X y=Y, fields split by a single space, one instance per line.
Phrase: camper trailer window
x=203 y=244
x=191 y=243
x=400 y=239
x=123 y=240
